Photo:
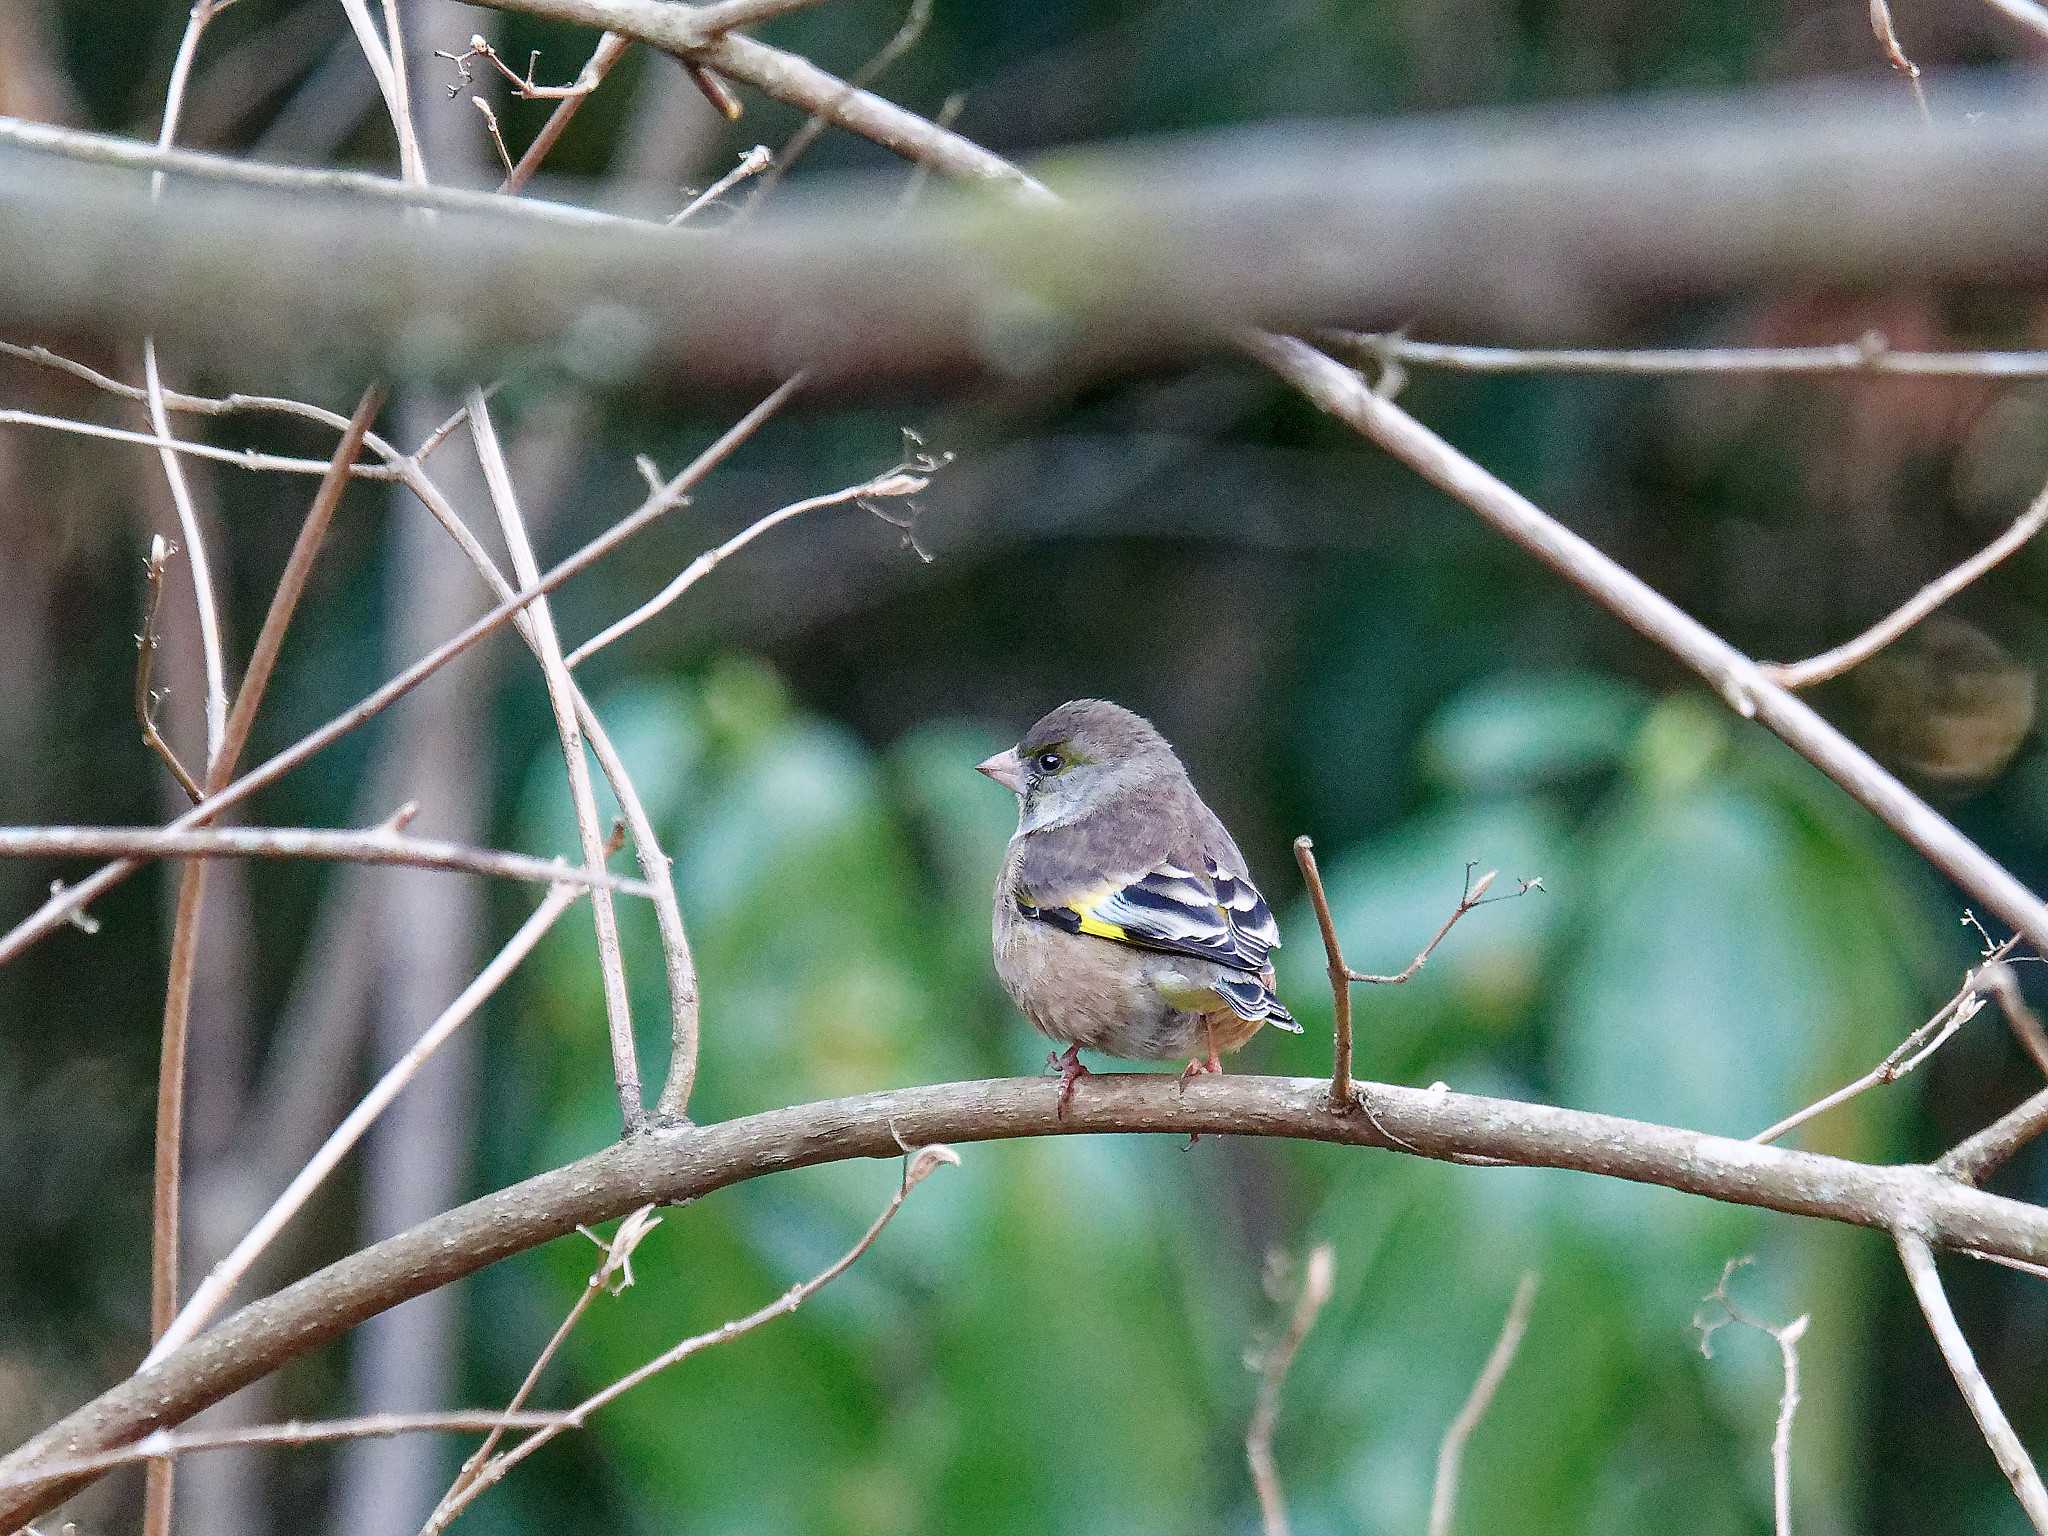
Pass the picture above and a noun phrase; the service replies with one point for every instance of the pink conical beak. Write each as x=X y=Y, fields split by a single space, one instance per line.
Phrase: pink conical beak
x=1006 y=769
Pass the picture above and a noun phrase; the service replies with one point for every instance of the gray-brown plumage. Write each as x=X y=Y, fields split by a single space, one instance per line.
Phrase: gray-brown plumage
x=1125 y=918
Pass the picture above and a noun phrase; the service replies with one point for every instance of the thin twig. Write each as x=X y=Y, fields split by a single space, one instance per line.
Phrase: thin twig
x=1443 y=1499
x=1740 y=682
x=1473 y=895
x=611 y=47
x=1909 y=1052
x=220 y=1283
x=1317 y=1278
x=614 y=1273
x=2003 y=983
x=57 y=910
x=2011 y=1456
x=1833 y=663
x=906 y=479
x=824 y=113
x=1872 y=355
x=374 y=1426
x=195 y=552
x=917 y=1166
x=582 y=795
x=1895 y=55
x=752 y=163
x=526 y=87
x=160 y=551
x=1342 y=1093
x=372 y=845
x=1787 y=1339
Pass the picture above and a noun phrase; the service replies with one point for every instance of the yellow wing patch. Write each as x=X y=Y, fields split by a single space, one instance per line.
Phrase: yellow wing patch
x=1090 y=923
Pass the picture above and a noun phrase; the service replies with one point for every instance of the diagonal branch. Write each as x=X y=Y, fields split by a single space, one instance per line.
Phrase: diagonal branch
x=1850 y=653
x=2012 y=1456
x=1277 y=1360
x=582 y=796
x=1443 y=1500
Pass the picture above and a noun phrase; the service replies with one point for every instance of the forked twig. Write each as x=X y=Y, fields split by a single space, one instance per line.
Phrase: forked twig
x=917 y=1166
x=1343 y=1093
x=906 y=479
x=1443 y=1500
x=160 y=551
x=614 y=1274
x=1317 y=1277
x=1787 y=1338
x=1909 y=1052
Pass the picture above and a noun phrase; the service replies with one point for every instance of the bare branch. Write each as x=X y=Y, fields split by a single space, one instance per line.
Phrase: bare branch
x=374 y=1426
x=582 y=796
x=902 y=480
x=2011 y=1456
x=1909 y=1052
x=1742 y=684
x=1218 y=247
x=1974 y=1160
x=1870 y=355
x=372 y=845
x=1273 y=1365
x=614 y=1273
x=195 y=553
x=917 y=1166
x=1443 y=1501
x=56 y=911
x=221 y=1282
x=672 y=1166
x=160 y=551
x=1804 y=674
x=2003 y=983
x=726 y=15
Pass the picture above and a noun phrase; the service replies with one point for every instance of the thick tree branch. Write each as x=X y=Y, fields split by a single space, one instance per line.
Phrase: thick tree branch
x=1154 y=253
x=672 y=1166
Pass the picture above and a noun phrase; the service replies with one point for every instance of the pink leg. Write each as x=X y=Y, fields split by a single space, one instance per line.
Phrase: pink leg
x=1069 y=1067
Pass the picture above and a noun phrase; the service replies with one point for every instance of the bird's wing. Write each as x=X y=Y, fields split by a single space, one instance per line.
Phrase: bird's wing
x=1210 y=912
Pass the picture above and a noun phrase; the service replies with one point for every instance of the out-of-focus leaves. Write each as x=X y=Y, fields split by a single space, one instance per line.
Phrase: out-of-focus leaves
x=1516 y=732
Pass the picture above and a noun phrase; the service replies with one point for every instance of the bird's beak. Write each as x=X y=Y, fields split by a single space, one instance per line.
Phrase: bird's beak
x=1006 y=769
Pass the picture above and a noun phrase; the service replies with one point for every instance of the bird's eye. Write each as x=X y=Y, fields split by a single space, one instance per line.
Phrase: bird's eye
x=1050 y=762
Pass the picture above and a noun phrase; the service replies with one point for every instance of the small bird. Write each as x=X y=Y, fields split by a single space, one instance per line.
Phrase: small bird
x=1125 y=918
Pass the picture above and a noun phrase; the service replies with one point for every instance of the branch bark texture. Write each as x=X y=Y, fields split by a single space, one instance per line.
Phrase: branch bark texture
x=673 y=1166
x=1526 y=224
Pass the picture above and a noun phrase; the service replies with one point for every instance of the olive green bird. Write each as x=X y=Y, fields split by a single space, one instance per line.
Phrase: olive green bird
x=1125 y=918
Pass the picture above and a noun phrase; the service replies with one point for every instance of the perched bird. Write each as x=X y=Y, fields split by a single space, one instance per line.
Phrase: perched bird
x=1125 y=919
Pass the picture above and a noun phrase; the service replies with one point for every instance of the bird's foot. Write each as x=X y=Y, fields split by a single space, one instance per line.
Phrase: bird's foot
x=1198 y=1068
x=1068 y=1065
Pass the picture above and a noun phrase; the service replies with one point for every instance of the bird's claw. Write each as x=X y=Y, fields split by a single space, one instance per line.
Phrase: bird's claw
x=1068 y=1065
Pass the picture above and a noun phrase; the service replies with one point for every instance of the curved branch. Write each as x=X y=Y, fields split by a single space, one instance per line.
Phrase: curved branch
x=672 y=1166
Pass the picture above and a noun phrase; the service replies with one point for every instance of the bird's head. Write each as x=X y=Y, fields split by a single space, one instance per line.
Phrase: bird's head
x=1077 y=756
